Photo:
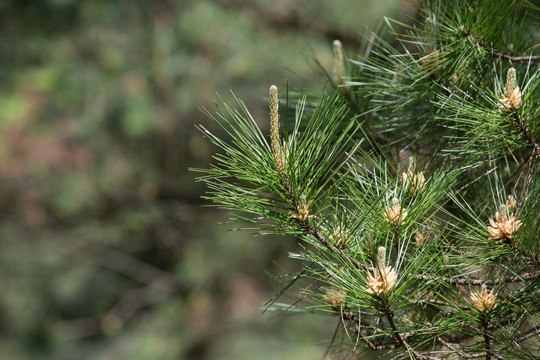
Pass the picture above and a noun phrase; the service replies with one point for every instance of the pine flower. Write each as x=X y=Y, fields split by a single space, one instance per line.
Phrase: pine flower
x=340 y=237
x=303 y=209
x=384 y=277
x=335 y=297
x=382 y=282
x=425 y=234
x=431 y=62
x=415 y=181
x=484 y=301
x=504 y=225
x=511 y=99
x=395 y=214
x=511 y=203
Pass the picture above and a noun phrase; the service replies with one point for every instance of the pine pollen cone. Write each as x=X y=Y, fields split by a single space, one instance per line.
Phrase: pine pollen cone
x=335 y=297
x=503 y=227
x=483 y=300
x=383 y=281
x=414 y=180
x=418 y=237
x=303 y=210
x=340 y=237
x=395 y=215
x=511 y=101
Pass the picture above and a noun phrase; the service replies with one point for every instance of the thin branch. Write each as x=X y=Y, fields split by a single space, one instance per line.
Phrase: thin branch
x=398 y=336
x=488 y=340
x=529 y=334
x=390 y=317
x=452 y=348
x=531 y=162
x=312 y=230
x=479 y=282
x=497 y=53
x=525 y=134
x=357 y=329
x=442 y=303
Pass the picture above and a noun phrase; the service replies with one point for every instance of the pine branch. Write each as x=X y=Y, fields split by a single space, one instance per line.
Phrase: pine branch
x=488 y=340
x=497 y=53
x=452 y=348
x=311 y=229
x=348 y=318
x=525 y=133
x=398 y=336
x=405 y=244
x=529 y=334
x=479 y=282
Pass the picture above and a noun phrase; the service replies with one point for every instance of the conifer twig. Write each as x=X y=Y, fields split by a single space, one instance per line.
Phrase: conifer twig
x=529 y=334
x=479 y=282
x=351 y=216
x=488 y=340
x=281 y=164
x=452 y=348
x=497 y=53
x=389 y=314
x=346 y=92
x=358 y=330
x=525 y=134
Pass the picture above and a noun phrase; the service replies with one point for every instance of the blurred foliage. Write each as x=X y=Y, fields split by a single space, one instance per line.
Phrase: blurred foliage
x=106 y=252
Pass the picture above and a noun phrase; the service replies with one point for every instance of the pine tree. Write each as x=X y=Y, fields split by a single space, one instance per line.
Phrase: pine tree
x=412 y=184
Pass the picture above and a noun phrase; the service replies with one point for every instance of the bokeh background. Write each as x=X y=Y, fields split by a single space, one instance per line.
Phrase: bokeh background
x=106 y=248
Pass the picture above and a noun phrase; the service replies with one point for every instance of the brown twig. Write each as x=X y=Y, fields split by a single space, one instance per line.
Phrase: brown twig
x=452 y=348
x=479 y=282
x=497 y=53
x=398 y=336
x=438 y=302
x=313 y=230
x=390 y=317
x=488 y=339
x=529 y=334
x=525 y=134
x=347 y=317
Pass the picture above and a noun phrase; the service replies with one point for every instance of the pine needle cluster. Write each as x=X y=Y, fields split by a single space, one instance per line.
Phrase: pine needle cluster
x=412 y=185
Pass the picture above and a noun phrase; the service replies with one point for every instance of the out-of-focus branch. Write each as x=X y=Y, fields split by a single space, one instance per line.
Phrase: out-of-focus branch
x=130 y=266
x=287 y=20
x=158 y=285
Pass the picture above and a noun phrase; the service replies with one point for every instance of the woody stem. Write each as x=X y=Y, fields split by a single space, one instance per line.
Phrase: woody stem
x=525 y=134
x=397 y=335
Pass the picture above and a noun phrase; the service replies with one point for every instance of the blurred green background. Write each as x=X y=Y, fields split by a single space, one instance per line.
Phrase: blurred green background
x=106 y=249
